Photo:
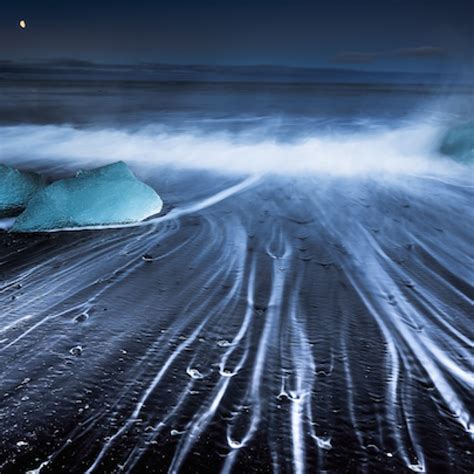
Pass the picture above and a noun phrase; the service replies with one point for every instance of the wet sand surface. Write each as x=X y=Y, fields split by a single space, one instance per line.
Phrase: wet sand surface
x=295 y=325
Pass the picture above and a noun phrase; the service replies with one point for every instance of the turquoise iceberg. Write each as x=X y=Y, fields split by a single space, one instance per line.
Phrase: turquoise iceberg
x=458 y=142
x=103 y=196
x=16 y=189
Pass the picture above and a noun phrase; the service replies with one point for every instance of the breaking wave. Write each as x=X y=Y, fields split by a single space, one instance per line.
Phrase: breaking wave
x=410 y=148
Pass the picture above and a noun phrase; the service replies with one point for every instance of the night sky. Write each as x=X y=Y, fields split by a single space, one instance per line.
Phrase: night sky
x=410 y=35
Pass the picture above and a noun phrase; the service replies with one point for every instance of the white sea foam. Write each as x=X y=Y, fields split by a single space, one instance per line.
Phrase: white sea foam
x=407 y=149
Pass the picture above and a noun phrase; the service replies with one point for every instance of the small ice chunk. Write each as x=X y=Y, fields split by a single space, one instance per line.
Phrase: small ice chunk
x=458 y=142
x=104 y=196
x=76 y=351
x=147 y=258
x=226 y=373
x=416 y=467
x=323 y=442
x=233 y=443
x=16 y=189
x=194 y=373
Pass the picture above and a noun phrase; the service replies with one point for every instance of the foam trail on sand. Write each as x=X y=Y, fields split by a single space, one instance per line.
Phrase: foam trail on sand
x=174 y=213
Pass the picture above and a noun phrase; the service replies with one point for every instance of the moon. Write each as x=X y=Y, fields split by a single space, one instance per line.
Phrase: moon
x=22 y=24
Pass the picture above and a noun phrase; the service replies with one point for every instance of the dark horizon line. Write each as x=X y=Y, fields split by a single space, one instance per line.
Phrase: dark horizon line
x=74 y=63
